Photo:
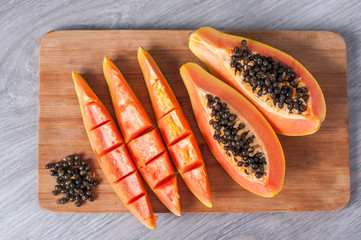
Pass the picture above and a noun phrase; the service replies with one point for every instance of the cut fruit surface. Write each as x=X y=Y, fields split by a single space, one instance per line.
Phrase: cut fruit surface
x=132 y=118
x=144 y=142
x=241 y=139
x=157 y=170
x=105 y=137
x=129 y=187
x=116 y=163
x=198 y=177
x=146 y=147
x=174 y=128
x=140 y=209
x=277 y=84
x=160 y=93
x=94 y=115
x=186 y=154
x=167 y=192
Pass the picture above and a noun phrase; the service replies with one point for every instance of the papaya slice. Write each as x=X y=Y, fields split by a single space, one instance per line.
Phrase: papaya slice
x=140 y=209
x=173 y=126
x=105 y=137
x=282 y=89
x=117 y=163
x=132 y=118
x=175 y=129
x=112 y=154
x=157 y=170
x=186 y=154
x=167 y=192
x=143 y=140
x=130 y=187
x=146 y=147
x=94 y=115
x=238 y=135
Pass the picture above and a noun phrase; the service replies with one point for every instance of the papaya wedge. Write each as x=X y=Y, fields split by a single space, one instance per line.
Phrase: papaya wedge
x=112 y=154
x=282 y=89
x=238 y=135
x=143 y=140
x=175 y=129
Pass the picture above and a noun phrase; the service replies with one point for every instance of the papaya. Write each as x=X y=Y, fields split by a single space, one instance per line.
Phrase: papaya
x=143 y=140
x=282 y=89
x=175 y=129
x=112 y=154
x=238 y=135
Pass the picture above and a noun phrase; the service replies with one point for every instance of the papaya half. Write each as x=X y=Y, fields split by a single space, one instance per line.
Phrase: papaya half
x=112 y=154
x=277 y=84
x=175 y=129
x=238 y=135
x=142 y=138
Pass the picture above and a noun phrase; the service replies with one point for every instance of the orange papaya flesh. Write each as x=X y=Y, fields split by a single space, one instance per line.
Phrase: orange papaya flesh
x=115 y=164
x=105 y=137
x=186 y=154
x=198 y=177
x=130 y=187
x=146 y=147
x=216 y=49
x=157 y=170
x=167 y=192
x=131 y=116
x=145 y=143
x=140 y=209
x=255 y=134
x=94 y=115
x=174 y=128
x=161 y=95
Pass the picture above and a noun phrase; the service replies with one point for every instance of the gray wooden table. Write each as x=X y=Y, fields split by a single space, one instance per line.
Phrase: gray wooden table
x=22 y=23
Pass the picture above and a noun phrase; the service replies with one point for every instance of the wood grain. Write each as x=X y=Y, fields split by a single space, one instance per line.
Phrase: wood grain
x=310 y=160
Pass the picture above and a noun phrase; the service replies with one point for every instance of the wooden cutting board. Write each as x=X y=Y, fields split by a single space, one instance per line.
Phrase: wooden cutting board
x=317 y=166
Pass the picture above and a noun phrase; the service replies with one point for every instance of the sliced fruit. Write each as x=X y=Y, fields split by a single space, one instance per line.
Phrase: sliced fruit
x=240 y=138
x=140 y=209
x=105 y=137
x=112 y=154
x=144 y=142
x=167 y=192
x=186 y=154
x=174 y=126
x=94 y=115
x=132 y=118
x=117 y=163
x=197 y=181
x=175 y=129
x=157 y=170
x=160 y=93
x=276 y=83
x=131 y=187
x=146 y=147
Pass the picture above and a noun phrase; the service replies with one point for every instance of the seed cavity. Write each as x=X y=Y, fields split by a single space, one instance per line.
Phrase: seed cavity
x=237 y=141
x=267 y=76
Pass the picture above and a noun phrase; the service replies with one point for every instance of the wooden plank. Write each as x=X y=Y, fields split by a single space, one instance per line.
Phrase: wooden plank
x=317 y=166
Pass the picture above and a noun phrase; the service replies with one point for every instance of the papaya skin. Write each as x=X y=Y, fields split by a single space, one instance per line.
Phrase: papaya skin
x=199 y=81
x=115 y=169
x=212 y=47
x=175 y=129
